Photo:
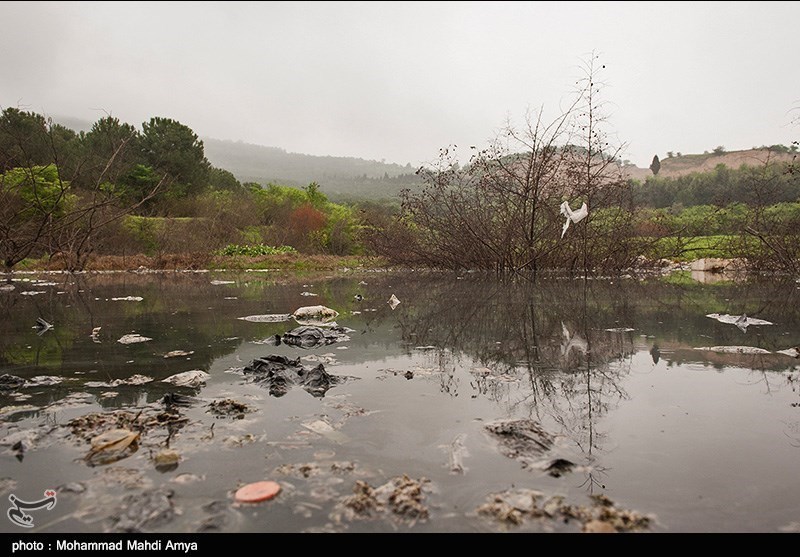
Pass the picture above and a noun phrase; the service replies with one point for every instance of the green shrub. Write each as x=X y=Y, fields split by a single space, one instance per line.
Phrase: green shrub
x=254 y=250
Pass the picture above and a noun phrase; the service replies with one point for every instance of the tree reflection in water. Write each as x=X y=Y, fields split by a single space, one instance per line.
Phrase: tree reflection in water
x=539 y=351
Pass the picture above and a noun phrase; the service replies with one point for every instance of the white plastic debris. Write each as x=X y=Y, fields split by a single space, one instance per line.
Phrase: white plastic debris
x=573 y=216
x=734 y=349
x=193 y=378
x=393 y=302
x=308 y=313
x=178 y=353
x=741 y=321
x=133 y=338
x=326 y=430
x=269 y=318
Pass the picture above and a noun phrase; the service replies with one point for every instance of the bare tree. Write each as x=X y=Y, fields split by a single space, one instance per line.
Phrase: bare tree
x=501 y=211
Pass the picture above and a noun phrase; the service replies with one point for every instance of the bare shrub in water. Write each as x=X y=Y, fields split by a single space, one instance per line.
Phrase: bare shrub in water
x=501 y=211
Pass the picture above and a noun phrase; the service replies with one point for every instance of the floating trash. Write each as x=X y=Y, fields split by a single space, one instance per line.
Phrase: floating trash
x=17 y=409
x=229 y=407
x=10 y=382
x=321 y=427
x=456 y=451
x=515 y=506
x=193 y=378
x=257 y=492
x=734 y=349
x=132 y=380
x=166 y=460
x=42 y=326
x=401 y=498
x=133 y=339
x=111 y=446
x=43 y=381
x=178 y=353
x=308 y=336
x=269 y=318
x=280 y=374
x=393 y=302
x=308 y=294
x=741 y=321
x=309 y=313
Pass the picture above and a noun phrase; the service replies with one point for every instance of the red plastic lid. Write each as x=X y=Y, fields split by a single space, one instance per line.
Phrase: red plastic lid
x=257 y=492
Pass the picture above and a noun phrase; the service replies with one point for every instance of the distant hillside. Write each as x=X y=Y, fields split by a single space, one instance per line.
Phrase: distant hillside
x=672 y=167
x=338 y=176
x=350 y=178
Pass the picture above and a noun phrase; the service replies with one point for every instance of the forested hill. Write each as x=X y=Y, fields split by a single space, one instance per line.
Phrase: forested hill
x=340 y=177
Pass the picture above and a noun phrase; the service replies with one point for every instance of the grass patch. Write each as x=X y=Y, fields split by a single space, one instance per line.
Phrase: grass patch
x=295 y=262
x=679 y=278
x=689 y=248
x=253 y=250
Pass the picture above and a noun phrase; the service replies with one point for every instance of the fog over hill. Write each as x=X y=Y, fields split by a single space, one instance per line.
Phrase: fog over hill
x=338 y=176
x=352 y=178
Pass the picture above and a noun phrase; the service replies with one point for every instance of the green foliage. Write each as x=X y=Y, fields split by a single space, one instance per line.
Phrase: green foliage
x=144 y=230
x=252 y=234
x=39 y=189
x=315 y=197
x=111 y=149
x=254 y=250
x=655 y=166
x=173 y=148
x=24 y=140
x=679 y=278
x=137 y=183
x=689 y=248
x=762 y=185
x=306 y=219
x=220 y=179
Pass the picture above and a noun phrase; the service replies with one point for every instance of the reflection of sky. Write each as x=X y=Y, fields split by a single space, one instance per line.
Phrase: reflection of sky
x=706 y=441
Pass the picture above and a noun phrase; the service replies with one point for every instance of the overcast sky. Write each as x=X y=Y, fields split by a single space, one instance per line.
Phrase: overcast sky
x=399 y=80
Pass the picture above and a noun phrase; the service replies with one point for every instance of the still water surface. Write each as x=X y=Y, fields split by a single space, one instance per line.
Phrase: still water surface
x=698 y=440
